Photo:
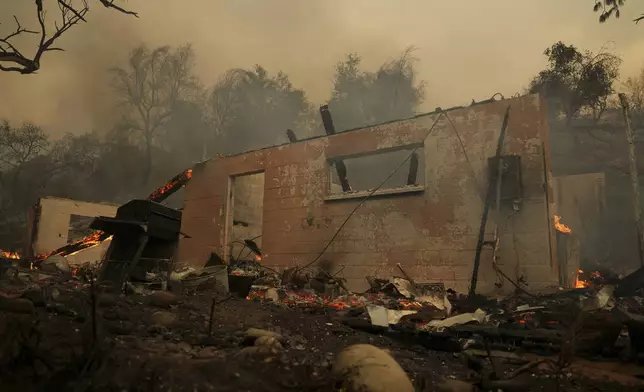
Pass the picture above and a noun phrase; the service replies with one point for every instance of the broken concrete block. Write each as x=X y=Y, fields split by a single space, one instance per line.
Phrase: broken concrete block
x=272 y=295
x=56 y=263
x=270 y=342
x=366 y=368
x=256 y=333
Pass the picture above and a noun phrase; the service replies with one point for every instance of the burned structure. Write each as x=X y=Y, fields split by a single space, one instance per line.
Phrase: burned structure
x=56 y=222
x=428 y=224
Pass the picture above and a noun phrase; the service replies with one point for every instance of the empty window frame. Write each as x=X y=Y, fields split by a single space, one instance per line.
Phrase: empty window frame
x=395 y=171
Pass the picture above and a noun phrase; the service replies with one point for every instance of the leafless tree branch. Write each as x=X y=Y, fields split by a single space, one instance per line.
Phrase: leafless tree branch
x=13 y=60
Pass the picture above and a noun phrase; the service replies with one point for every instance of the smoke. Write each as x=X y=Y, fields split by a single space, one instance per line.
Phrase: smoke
x=466 y=49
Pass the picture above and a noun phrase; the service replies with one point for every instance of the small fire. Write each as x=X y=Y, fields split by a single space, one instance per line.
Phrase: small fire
x=9 y=255
x=258 y=257
x=581 y=283
x=560 y=226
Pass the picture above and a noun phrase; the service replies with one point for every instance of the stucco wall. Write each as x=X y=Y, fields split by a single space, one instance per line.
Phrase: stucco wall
x=53 y=223
x=432 y=234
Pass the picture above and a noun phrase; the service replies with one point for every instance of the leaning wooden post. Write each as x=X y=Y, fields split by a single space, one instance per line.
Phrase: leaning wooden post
x=634 y=176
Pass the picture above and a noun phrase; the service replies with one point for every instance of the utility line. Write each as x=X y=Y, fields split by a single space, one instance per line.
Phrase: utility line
x=440 y=114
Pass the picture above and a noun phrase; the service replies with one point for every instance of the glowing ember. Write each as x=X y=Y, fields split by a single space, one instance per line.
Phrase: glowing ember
x=87 y=242
x=560 y=226
x=9 y=255
x=581 y=283
x=305 y=299
x=174 y=184
x=258 y=257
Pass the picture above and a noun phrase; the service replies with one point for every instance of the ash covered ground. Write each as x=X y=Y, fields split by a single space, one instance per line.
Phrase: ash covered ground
x=161 y=342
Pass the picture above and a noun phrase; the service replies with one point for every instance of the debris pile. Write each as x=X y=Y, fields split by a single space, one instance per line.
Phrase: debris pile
x=305 y=339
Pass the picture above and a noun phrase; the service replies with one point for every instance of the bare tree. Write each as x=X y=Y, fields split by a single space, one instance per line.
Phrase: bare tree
x=635 y=91
x=152 y=85
x=13 y=59
x=20 y=145
x=221 y=105
x=18 y=148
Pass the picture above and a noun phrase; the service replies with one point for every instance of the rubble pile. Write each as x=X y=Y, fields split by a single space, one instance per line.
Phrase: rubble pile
x=294 y=331
x=441 y=319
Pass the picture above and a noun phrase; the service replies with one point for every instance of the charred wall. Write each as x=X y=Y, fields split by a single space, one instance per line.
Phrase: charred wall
x=587 y=146
x=430 y=229
x=54 y=222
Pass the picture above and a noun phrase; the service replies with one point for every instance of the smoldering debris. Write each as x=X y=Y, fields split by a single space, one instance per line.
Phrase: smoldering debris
x=291 y=330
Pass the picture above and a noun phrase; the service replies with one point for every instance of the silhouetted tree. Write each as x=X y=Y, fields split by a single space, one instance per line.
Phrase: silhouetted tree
x=250 y=109
x=360 y=98
x=13 y=59
x=32 y=166
x=610 y=8
x=576 y=80
x=151 y=86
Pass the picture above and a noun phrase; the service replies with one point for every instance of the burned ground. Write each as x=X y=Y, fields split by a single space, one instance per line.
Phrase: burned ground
x=160 y=342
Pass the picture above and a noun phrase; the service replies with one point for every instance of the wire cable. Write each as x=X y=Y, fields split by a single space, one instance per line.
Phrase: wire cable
x=364 y=199
x=467 y=158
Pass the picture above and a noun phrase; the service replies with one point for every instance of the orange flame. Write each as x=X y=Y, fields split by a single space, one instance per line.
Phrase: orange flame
x=258 y=258
x=560 y=226
x=9 y=255
x=88 y=241
x=172 y=184
x=580 y=283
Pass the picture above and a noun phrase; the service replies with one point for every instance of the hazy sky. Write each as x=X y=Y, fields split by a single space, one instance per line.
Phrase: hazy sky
x=467 y=48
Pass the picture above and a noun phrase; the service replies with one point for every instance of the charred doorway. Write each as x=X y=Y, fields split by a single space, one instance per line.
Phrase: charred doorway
x=245 y=215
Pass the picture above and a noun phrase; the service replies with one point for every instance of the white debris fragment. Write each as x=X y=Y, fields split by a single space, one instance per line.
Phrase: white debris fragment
x=478 y=316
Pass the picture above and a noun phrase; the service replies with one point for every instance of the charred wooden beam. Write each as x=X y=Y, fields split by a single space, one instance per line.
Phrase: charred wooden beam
x=341 y=169
x=291 y=136
x=412 y=177
x=177 y=182
x=327 y=120
x=329 y=129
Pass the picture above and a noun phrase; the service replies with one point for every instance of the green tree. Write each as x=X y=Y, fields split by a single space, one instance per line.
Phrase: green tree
x=577 y=81
x=360 y=98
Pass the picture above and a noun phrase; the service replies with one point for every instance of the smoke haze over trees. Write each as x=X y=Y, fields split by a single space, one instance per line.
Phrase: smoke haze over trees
x=360 y=98
x=168 y=120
